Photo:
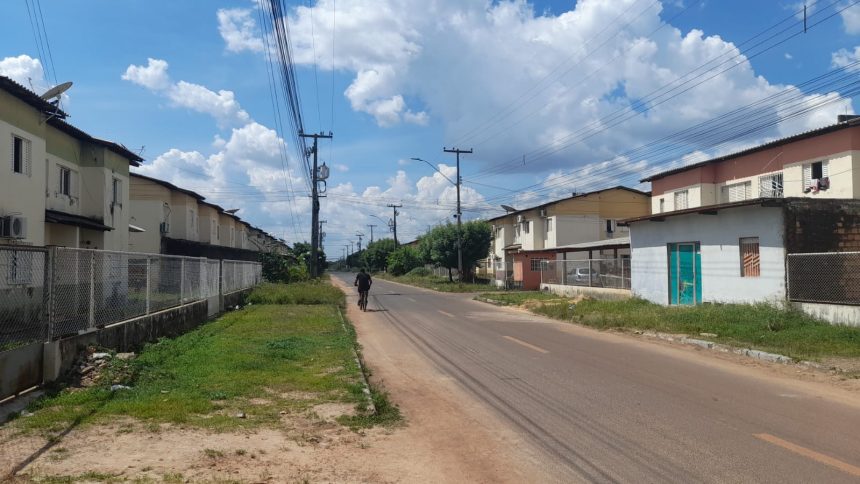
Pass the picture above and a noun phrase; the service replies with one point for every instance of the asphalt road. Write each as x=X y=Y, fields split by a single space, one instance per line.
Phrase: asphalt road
x=607 y=408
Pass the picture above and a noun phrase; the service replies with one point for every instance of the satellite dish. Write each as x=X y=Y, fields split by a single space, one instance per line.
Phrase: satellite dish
x=56 y=91
x=509 y=208
x=232 y=211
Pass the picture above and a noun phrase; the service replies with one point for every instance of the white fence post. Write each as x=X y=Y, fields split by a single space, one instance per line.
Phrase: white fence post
x=92 y=298
x=148 y=286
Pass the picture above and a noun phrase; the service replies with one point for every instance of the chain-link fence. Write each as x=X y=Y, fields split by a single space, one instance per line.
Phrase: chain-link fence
x=23 y=297
x=49 y=293
x=608 y=273
x=830 y=277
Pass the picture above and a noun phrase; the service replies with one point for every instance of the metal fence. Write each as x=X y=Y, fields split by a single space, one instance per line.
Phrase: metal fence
x=608 y=273
x=829 y=277
x=49 y=293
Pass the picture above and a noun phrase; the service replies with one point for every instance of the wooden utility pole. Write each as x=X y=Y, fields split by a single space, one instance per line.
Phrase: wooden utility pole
x=315 y=203
x=459 y=213
x=394 y=222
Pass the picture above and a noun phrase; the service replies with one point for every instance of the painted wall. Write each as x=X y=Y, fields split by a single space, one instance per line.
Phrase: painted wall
x=209 y=230
x=719 y=238
x=23 y=193
x=184 y=217
x=148 y=210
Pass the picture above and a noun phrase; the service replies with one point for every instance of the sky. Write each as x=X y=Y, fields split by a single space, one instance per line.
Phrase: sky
x=553 y=97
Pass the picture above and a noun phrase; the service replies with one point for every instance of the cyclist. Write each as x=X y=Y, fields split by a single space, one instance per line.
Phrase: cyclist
x=363 y=282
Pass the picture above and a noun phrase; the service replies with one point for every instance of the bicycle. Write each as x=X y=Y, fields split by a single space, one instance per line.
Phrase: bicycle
x=362 y=300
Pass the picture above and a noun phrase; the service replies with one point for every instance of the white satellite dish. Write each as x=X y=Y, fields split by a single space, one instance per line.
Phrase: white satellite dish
x=56 y=91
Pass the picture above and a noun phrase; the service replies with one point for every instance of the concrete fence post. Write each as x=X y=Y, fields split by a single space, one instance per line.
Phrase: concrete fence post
x=148 y=286
x=182 y=280
x=92 y=298
x=51 y=258
x=589 y=272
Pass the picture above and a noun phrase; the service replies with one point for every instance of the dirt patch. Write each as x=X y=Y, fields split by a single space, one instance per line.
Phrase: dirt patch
x=331 y=411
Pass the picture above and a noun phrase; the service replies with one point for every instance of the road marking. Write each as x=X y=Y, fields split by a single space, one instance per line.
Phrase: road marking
x=811 y=454
x=527 y=345
x=411 y=299
x=446 y=314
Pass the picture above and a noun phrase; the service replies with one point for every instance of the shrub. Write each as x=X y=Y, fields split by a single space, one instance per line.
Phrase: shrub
x=419 y=272
x=403 y=260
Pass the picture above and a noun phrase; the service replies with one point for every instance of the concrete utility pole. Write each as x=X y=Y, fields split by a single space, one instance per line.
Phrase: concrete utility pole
x=371 y=232
x=394 y=222
x=315 y=202
x=359 y=241
x=459 y=213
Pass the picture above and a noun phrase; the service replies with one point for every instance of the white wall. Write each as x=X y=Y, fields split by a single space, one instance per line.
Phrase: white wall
x=573 y=229
x=718 y=236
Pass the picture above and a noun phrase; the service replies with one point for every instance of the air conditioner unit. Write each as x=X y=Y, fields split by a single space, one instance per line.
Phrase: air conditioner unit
x=520 y=219
x=13 y=227
x=543 y=212
x=164 y=227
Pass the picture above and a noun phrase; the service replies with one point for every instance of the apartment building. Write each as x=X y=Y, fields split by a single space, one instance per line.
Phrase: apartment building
x=523 y=239
x=721 y=230
x=61 y=186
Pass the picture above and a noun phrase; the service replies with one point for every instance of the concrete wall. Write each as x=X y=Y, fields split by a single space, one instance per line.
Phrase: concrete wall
x=593 y=292
x=23 y=193
x=832 y=313
x=719 y=238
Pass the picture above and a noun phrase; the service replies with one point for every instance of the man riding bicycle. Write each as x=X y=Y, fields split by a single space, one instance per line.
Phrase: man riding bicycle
x=363 y=282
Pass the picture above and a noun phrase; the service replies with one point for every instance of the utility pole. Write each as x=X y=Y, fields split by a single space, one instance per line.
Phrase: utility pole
x=371 y=232
x=321 y=233
x=394 y=222
x=359 y=241
x=459 y=213
x=315 y=202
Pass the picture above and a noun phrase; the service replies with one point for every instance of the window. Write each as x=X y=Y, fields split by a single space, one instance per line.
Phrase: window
x=21 y=155
x=609 y=226
x=526 y=226
x=537 y=264
x=20 y=267
x=737 y=192
x=750 y=261
x=117 y=192
x=770 y=186
x=813 y=172
x=65 y=181
x=681 y=200
x=548 y=224
x=662 y=205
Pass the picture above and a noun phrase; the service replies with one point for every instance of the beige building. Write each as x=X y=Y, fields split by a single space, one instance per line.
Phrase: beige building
x=61 y=186
x=162 y=209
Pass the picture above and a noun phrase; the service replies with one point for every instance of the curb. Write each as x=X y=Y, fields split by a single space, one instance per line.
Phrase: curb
x=366 y=389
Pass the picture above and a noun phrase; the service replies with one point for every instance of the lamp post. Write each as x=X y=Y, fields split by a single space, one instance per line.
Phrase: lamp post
x=459 y=214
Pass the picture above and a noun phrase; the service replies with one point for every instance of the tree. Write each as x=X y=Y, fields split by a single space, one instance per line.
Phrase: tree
x=403 y=260
x=375 y=256
x=440 y=244
x=302 y=252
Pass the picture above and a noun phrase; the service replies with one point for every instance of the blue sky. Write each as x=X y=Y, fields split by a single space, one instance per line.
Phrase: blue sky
x=409 y=77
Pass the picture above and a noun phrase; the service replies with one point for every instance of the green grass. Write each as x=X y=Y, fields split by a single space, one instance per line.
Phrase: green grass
x=206 y=376
x=435 y=283
x=761 y=326
x=297 y=293
x=519 y=297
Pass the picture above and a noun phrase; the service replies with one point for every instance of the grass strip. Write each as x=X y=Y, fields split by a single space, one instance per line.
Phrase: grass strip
x=208 y=376
x=314 y=292
x=761 y=326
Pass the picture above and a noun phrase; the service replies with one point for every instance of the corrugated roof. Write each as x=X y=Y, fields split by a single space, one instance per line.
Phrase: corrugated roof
x=37 y=102
x=578 y=195
x=790 y=139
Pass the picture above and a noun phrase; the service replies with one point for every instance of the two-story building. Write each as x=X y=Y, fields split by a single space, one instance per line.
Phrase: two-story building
x=61 y=186
x=583 y=226
x=720 y=230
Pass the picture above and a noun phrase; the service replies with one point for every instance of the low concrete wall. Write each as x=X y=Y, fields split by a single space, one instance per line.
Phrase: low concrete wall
x=832 y=313
x=20 y=369
x=593 y=292
x=235 y=299
x=131 y=335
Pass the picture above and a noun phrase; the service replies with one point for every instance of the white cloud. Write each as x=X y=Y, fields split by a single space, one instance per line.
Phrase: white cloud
x=788 y=56
x=797 y=8
x=504 y=79
x=152 y=76
x=24 y=70
x=845 y=57
x=221 y=105
x=340 y=167
x=851 y=19
x=239 y=30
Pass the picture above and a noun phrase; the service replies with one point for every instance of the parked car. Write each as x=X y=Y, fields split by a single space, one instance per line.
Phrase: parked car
x=580 y=274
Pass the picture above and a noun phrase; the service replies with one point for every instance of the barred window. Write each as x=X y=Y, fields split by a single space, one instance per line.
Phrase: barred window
x=65 y=181
x=681 y=200
x=770 y=186
x=750 y=260
x=537 y=264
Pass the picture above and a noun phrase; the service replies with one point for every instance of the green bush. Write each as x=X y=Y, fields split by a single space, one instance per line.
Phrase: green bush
x=404 y=259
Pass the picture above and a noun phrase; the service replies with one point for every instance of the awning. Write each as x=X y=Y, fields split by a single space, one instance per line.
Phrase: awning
x=55 y=217
x=513 y=247
x=135 y=228
x=617 y=242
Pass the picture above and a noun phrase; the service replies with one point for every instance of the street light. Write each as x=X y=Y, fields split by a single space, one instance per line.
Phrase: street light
x=459 y=213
